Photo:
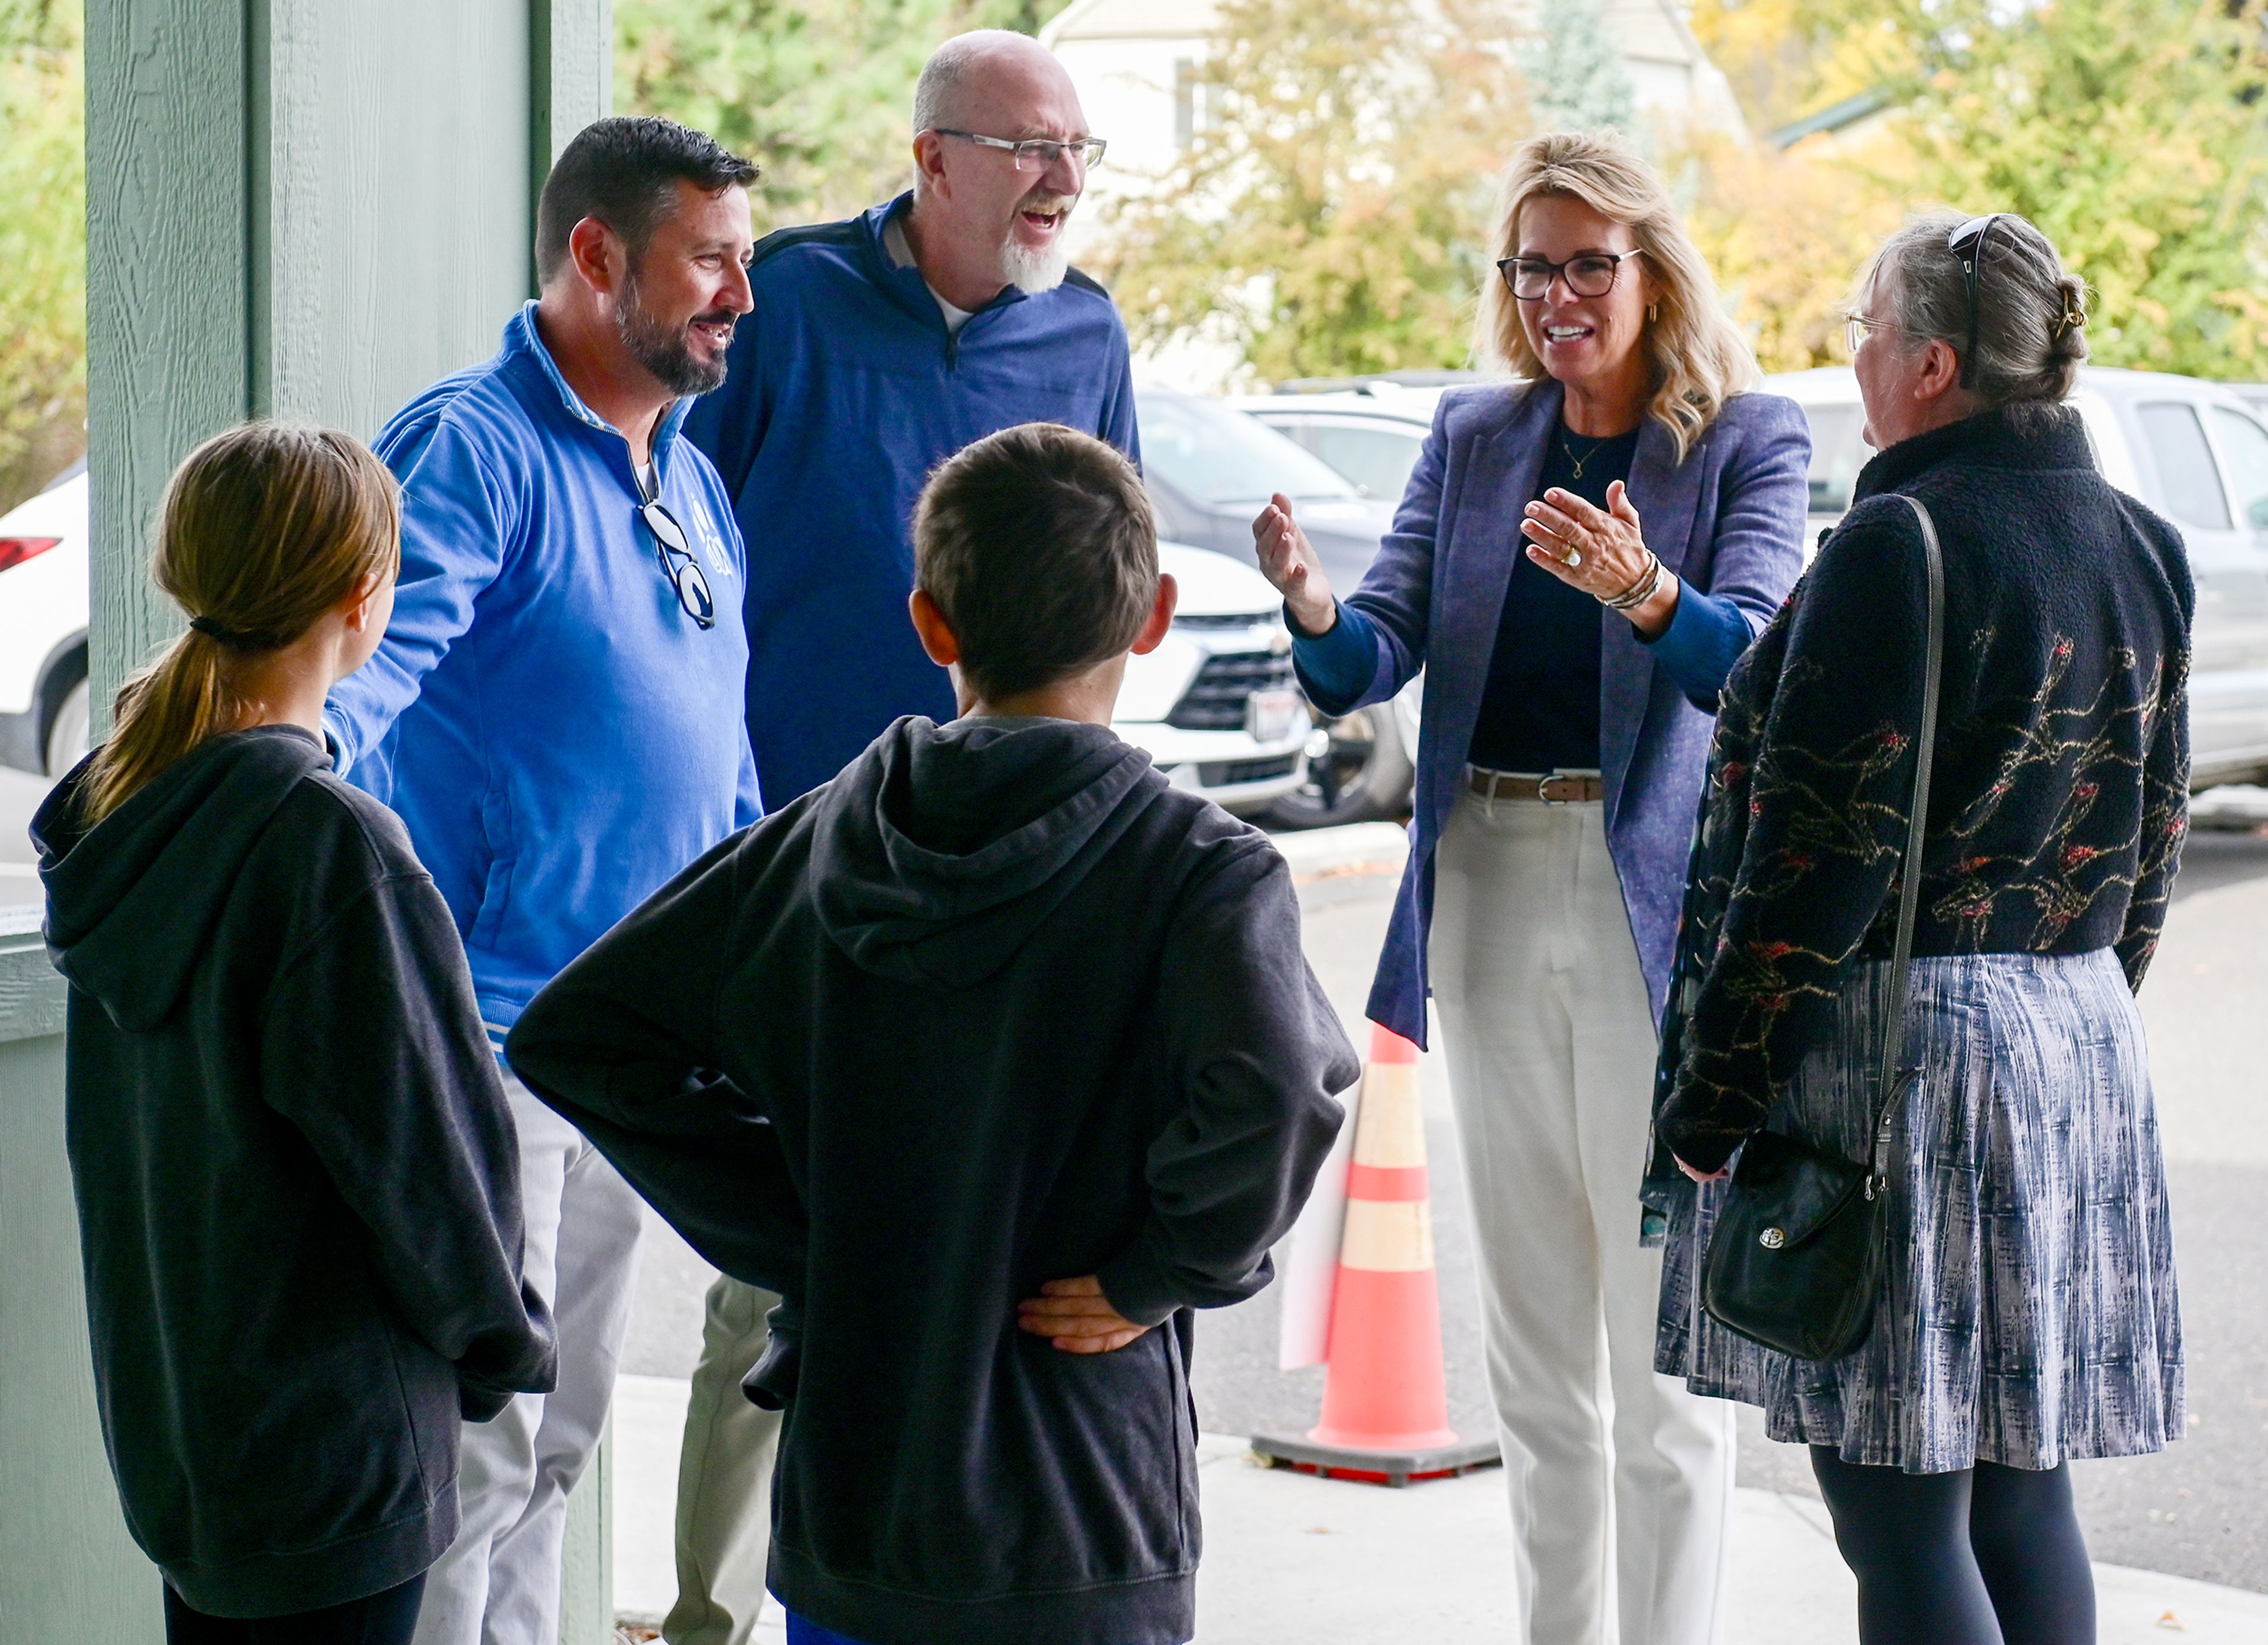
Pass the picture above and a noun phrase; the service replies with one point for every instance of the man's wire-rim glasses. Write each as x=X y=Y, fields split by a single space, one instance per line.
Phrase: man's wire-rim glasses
x=670 y=546
x=1036 y=154
x=1592 y=274
x=1967 y=242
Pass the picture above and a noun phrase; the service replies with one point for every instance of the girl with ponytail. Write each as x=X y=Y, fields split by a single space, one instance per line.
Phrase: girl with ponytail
x=297 y=1177
x=281 y=544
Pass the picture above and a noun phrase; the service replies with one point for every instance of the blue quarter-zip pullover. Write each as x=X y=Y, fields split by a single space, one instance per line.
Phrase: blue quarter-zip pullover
x=560 y=737
x=846 y=389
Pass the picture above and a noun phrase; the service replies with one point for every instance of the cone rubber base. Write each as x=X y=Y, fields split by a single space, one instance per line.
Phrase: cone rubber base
x=1377 y=1468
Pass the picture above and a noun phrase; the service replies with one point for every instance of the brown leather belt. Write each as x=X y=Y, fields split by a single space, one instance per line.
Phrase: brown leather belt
x=1559 y=787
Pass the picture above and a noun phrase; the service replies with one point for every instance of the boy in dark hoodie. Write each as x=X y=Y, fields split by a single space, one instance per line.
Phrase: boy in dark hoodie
x=298 y=1187
x=994 y=1057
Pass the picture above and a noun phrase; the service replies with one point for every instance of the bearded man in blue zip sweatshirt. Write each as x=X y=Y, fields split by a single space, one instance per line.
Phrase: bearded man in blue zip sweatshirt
x=555 y=713
x=878 y=347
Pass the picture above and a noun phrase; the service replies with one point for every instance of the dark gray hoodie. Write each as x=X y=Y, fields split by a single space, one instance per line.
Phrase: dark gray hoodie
x=996 y=1006
x=298 y=1182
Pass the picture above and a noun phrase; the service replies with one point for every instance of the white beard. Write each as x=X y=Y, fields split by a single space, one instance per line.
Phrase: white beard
x=1033 y=272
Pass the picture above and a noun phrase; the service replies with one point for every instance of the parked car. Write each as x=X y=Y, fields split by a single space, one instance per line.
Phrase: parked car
x=1215 y=705
x=2195 y=452
x=44 y=707
x=1369 y=429
x=1209 y=469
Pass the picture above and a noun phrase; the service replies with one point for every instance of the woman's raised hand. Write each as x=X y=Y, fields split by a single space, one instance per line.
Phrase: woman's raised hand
x=1599 y=551
x=1287 y=559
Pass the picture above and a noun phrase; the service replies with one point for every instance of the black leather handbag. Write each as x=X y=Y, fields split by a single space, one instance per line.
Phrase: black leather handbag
x=1796 y=1260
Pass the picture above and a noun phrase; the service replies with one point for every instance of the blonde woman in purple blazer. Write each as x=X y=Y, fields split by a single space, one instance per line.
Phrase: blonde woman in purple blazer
x=1580 y=558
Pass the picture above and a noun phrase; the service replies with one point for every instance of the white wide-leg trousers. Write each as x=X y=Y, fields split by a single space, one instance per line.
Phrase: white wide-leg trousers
x=499 y=1584
x=1621 y=1479
x=724 y=1478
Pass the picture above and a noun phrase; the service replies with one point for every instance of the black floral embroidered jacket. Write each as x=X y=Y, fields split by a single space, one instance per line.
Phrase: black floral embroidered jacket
x=2059 y=796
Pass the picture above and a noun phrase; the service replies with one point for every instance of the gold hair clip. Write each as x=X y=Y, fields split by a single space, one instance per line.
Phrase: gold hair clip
x=2072 y=320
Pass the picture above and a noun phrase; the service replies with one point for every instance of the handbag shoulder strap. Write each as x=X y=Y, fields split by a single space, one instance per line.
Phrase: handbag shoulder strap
x=1894 y=1037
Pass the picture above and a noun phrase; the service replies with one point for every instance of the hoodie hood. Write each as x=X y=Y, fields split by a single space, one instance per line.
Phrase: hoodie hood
x=940 y=850
x=132 y=902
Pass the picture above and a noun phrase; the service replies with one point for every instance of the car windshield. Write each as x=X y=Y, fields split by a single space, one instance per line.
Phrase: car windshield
x=1218 y=455
x=1836 y=456
x=1377 y=459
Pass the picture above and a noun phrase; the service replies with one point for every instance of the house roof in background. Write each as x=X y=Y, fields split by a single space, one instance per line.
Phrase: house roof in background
x=1130 y=20
x=1835 y=117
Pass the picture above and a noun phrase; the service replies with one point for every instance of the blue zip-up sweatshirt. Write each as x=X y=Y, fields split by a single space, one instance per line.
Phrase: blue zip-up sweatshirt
x=846 y=389
x=557 y=733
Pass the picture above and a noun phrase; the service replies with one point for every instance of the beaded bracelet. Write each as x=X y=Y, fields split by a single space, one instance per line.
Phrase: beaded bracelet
x=1640 y=591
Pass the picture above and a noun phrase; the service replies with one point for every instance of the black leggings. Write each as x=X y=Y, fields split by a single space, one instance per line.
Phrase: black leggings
x=386 y=1618
x=1987 y=1556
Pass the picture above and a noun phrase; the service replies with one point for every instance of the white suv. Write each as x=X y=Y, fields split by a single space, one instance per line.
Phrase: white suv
x=2195 y=452
x=1215 y=705
x=43 y=694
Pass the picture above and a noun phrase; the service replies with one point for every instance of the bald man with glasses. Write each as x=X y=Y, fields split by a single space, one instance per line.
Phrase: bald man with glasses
x=878 y=347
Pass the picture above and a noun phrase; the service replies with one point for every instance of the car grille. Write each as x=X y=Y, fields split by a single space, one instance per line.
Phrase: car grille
x=1227 y=772
x=1216 y=620
x=1215 y=699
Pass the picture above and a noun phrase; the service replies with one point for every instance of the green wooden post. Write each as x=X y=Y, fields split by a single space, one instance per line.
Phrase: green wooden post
x=298 y=208
x=571 y=83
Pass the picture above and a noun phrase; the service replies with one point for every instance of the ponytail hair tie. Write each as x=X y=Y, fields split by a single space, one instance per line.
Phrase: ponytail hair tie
x=230 y=637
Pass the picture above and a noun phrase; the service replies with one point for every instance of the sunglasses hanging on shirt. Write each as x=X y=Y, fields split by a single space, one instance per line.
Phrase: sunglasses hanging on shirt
x=678 y=564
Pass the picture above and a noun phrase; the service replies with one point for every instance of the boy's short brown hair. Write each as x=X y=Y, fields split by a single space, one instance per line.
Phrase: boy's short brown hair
x=1038 y=545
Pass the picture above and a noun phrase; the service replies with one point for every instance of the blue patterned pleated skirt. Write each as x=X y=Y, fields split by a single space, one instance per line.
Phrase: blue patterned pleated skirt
x=2028 y=1310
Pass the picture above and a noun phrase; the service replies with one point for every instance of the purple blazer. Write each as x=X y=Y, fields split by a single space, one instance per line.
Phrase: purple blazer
x=1728 y=520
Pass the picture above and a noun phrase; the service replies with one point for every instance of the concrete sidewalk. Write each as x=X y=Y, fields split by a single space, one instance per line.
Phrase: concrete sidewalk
x=1291 y=1560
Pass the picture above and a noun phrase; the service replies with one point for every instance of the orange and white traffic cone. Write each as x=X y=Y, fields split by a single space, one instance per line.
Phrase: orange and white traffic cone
x=1385 y=1401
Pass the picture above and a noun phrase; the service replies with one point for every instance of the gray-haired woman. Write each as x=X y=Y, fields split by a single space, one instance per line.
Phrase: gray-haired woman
x=2027 y=1313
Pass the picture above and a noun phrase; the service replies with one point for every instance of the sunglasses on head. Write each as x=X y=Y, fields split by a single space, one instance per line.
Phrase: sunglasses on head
x=1967 y=242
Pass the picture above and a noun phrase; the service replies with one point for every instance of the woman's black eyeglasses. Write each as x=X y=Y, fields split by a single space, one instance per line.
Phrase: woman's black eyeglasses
x=1967 y=242
x=678 y=564
x=1591 y=275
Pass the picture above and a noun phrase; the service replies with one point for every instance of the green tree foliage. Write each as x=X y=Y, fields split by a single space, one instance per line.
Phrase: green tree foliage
x=2132 y=131
x=1789 y=58
x=1332 y=216
x=42 y=243
x=819 y=93
x=1785 y=235
x=1576 y=77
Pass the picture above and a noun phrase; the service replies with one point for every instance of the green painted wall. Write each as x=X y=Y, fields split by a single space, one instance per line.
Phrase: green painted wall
x=68 y=1570
x=300 y=208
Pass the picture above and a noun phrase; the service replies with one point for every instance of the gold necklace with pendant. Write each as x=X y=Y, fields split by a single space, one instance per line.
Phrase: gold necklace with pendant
x=1587 y=456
